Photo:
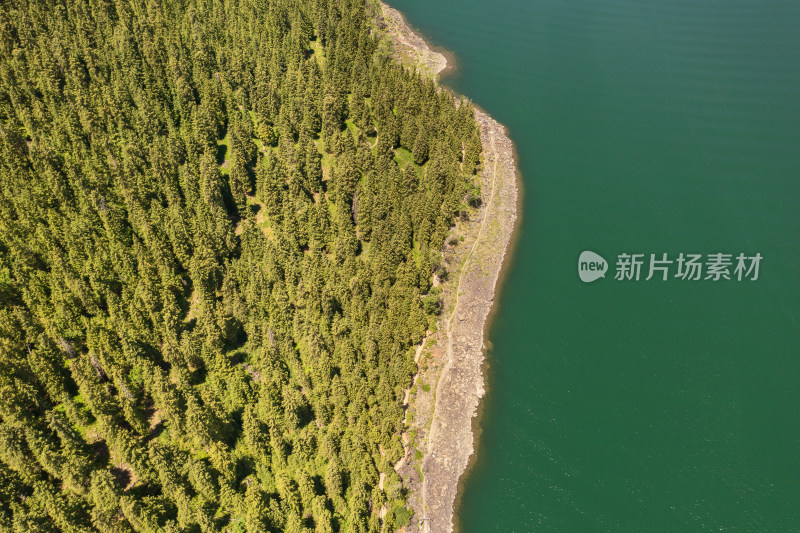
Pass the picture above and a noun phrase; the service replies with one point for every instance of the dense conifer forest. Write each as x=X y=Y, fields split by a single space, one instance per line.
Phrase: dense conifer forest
x=219 y=225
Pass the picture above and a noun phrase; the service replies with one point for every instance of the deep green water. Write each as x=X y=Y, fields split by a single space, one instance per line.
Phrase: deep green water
x=641 y=126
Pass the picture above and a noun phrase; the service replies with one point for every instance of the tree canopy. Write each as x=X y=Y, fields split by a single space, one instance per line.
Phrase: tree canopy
x=218 y=220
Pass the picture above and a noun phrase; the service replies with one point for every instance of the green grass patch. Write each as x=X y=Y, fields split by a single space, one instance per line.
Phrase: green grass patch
x=403 y=157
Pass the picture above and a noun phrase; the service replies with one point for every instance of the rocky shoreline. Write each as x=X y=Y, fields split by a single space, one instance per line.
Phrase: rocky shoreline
x=447 y=391
x=407 y=46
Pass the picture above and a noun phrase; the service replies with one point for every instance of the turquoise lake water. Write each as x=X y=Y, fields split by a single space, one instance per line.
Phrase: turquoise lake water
x=642 y=127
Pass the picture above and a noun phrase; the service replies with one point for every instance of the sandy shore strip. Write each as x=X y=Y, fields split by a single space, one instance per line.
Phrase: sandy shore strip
x=450 y=383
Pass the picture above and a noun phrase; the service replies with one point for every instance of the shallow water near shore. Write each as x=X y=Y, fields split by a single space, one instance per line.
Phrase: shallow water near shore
x=646 y=127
